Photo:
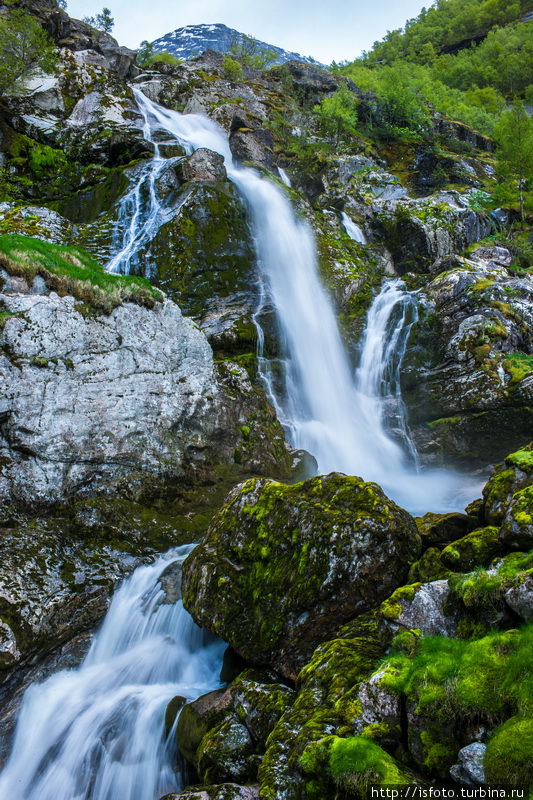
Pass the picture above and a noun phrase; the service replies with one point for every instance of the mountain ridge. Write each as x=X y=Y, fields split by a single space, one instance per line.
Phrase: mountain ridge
x=192 y=40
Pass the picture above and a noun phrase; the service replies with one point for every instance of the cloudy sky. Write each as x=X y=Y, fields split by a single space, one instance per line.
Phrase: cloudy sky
x=328 y=30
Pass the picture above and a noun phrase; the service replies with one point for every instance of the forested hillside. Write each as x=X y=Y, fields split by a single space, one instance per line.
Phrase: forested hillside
x=466 y=58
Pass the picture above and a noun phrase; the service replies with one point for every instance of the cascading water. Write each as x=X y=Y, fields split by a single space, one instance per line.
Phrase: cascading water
x=352 y=229
x=337 y=416
x=97 y=733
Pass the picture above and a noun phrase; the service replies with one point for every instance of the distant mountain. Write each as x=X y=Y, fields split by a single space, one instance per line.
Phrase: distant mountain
x=194 y=39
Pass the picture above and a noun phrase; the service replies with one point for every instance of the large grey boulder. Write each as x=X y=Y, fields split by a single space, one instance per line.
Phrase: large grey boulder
x=87 y=399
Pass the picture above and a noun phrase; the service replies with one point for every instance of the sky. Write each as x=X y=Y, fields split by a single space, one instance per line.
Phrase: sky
x=328 y=30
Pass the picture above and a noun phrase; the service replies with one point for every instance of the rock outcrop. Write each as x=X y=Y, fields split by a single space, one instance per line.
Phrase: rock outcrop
x=283 y=566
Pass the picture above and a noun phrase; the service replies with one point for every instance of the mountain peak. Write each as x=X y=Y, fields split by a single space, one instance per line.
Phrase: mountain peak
x=191 y=40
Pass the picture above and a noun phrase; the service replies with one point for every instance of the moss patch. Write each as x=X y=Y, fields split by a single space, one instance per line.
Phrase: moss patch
x=70 y=270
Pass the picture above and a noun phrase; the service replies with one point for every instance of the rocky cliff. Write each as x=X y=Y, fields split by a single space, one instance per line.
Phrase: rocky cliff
x=368 y=646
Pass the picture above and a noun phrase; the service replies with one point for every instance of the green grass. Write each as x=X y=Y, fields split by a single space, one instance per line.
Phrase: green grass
x=71 y=270
x=488 y=678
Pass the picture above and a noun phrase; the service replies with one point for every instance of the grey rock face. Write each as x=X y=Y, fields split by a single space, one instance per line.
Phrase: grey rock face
x=470 y=770
x=204 y=165
x=520 y=598
x=427 y=611
x=85 y=401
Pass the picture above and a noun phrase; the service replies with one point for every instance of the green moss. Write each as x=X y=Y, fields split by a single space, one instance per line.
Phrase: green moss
x=482 y=590
x=523 y=459
x=392 y=607
x=482 y=678
x=357 y=762
x=509 y=755
x=477 y=549
x=518 y=366
x=70 y=270
x=428 y=568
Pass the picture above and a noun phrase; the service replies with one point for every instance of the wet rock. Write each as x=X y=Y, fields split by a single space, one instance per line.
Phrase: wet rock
x=429 y=608
x=226 y=791
x=226 y=753
x=441 y=529
x=198 y=718
x=470 y=770
x=283 y=566
x=204 y=165
x=520 y=598
x=253 y=146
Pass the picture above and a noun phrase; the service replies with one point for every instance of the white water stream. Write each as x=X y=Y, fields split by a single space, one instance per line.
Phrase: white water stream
x=352 y=421
x=97 y=733
x=353 y=230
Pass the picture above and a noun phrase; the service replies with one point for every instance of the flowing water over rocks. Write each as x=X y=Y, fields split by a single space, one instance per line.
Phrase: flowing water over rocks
x=327 y=408
x=98 y=732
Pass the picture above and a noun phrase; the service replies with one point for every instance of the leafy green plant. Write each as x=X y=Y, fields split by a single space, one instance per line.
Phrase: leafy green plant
x=232 y=69
x=25 y=48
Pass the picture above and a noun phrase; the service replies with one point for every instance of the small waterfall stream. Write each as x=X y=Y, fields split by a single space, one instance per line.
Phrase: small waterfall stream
x=97 y=733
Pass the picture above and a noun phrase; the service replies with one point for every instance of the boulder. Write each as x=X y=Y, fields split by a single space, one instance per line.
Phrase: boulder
x=283 y=566
x=470 y=770
x=429 y=608
x=225 y=791
x=517 y=527
x=204 y=166
x=520 y=597
x=254 y=146
x=515 y=473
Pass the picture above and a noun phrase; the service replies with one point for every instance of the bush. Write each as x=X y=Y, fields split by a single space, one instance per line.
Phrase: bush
x=232 y=69
x=25 y=49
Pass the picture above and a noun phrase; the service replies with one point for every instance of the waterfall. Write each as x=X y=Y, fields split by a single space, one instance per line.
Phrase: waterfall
x=97 y=732
x=352 y=229
x=284 y=177
x=352 y=421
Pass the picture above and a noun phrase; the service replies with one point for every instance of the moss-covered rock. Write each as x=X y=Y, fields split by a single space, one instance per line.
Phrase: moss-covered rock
x=205 y=252
x=283 y=566
x=477 y=549
x=509 y=755
x=441 y=529
x=517 y=526
x=515 y=473
x=226 y=753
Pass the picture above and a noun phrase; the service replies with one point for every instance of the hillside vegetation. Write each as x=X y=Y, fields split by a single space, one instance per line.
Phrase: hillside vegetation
x=468 y=59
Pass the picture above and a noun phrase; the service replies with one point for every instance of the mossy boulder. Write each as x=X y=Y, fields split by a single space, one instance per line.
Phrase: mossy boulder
x=509 y=755
x=515 y=473
x=226 y=753
x=441 y=529
x=224 y=791
x=283 y=566
x=517 y=527
x=476 y=549
x=223 y=733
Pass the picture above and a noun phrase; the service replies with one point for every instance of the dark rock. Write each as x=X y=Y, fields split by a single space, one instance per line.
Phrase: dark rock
x=253 y=146
x=204 y=166
x=283 y=566
x=441 y=529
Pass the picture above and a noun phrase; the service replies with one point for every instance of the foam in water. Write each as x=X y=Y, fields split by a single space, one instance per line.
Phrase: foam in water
x=351 y=420
x=352 y=229
x=97 y=733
